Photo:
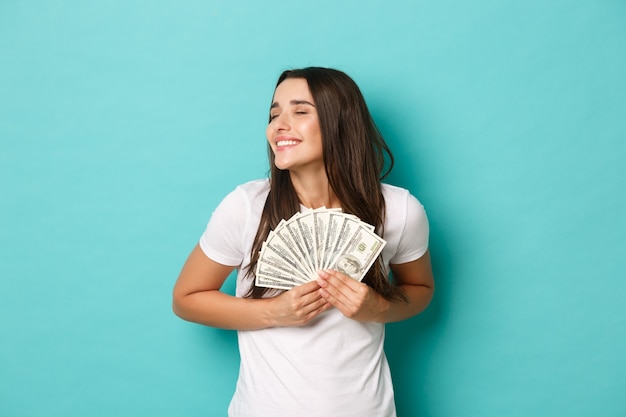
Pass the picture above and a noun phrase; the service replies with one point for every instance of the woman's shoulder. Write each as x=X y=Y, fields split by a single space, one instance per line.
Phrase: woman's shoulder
x=393 y=190
x=395 y=194
x=406 y=225
x=248 y=194
x=400 y=199
x=255 y=185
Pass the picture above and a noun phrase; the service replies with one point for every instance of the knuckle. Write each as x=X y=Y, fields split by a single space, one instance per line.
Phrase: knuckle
x=351 y=313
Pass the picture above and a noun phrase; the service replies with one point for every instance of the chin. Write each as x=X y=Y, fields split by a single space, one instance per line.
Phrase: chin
x=282 y=165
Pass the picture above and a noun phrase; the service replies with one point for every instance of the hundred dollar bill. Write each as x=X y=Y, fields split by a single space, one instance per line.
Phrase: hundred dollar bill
x=320 y=222
x=268 y=276
x=360 y=252
x=335 y=220
x=281 y=260
x=267 y=282
x=306 y=228
x=282 y=241
x=313 y=240
x=299 y=243
x=275 y=252
x=345 y=231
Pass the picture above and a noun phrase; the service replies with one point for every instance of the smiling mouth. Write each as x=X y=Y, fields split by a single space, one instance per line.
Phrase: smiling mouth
x=286 y=143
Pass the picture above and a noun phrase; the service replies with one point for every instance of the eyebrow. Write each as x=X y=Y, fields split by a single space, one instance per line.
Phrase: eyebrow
x=293 y=103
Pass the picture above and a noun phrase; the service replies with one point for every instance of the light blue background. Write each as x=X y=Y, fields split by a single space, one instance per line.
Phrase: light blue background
x=122 y=125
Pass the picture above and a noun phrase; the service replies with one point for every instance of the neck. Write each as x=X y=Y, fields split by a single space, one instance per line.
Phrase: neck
x=314 y=191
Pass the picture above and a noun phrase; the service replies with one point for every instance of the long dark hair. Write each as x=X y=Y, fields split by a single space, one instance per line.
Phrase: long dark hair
x=354 y=157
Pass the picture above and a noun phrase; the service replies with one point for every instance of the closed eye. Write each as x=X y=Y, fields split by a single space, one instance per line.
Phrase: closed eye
x=274 y=115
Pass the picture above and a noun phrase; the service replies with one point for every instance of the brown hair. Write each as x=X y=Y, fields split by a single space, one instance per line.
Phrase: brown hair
x=354 y=157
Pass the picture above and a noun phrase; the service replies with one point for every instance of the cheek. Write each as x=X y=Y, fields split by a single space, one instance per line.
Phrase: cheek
x=268 y=134
x=312 y=129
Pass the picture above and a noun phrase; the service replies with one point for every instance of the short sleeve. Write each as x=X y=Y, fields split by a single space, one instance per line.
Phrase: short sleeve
x=413 y=241
x=223 y=236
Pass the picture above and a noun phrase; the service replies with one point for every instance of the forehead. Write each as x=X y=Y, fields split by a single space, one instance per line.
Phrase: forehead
x=292 y=89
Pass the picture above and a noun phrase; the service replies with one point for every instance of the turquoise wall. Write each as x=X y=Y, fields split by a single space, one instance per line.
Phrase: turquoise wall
x=122 y=124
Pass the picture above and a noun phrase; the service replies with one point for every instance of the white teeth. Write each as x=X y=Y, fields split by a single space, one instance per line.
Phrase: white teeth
x=286 y=142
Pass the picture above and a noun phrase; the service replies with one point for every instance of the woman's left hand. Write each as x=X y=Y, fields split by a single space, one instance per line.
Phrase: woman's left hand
x=354 y=299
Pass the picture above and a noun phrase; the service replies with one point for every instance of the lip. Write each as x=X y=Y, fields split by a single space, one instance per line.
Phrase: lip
x=282 y=142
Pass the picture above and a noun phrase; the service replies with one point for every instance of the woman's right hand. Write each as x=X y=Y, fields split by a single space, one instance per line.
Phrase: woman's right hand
x=197 y=298
x=298 y=306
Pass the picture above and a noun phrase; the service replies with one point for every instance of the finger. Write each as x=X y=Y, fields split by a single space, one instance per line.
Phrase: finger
x=307 y=288
x=339 y=284
x=341 y=280
x=335 y=293
x=313 y=309
x=305 y=308
x=340 y=303
x=306 y=297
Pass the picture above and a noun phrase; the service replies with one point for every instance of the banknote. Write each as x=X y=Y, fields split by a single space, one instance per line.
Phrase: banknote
x=313 y=240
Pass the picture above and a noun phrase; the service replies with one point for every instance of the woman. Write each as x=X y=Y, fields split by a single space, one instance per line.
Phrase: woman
x=317 y=349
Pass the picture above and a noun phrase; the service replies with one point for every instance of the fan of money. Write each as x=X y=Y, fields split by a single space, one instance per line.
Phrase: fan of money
x=314 y=240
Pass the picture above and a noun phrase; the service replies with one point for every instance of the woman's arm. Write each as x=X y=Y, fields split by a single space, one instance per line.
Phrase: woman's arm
x=360 y=302
x=197 y=298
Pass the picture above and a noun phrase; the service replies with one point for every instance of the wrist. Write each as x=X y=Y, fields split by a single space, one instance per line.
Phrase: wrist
x=382 y=309
x=265 y=312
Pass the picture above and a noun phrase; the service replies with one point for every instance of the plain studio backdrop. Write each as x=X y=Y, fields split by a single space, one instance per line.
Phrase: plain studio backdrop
x=123 y=124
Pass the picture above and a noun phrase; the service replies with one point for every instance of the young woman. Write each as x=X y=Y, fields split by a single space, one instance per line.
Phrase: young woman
x=317 y=349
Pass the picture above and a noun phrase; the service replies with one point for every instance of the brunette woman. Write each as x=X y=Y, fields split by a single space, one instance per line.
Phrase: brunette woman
x=317 y=349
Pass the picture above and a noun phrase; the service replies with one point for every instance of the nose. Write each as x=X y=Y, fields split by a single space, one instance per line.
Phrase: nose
x=280 y=123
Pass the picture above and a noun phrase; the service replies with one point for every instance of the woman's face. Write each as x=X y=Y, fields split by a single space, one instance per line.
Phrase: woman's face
x=294 y=132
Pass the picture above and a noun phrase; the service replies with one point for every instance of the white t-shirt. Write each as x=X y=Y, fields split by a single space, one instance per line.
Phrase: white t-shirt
x=333 y=366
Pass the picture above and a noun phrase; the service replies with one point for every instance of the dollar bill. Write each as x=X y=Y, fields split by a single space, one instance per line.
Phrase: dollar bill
x=359 y=254
x=313 y=240
x=280 y=260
